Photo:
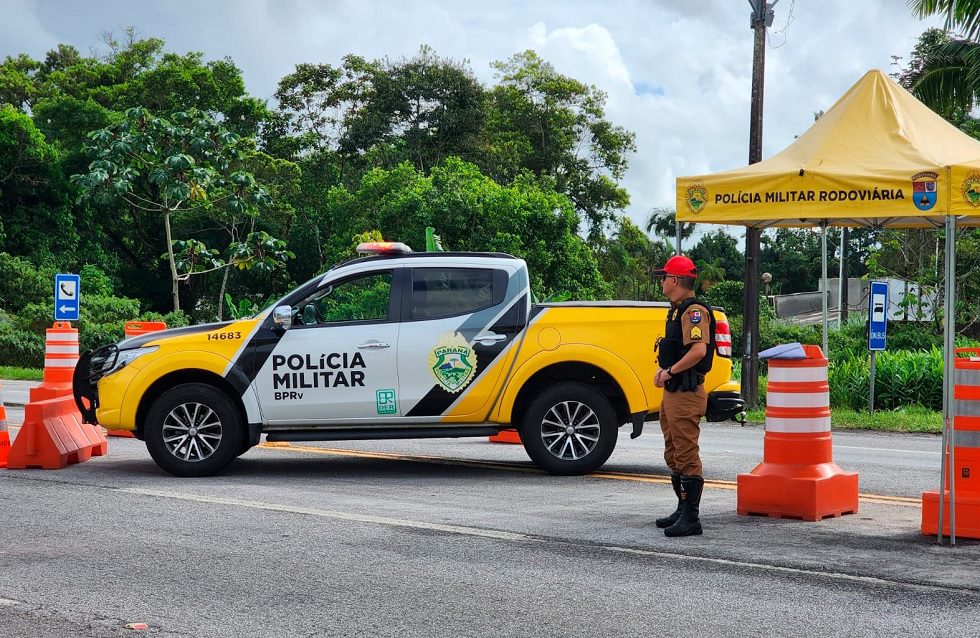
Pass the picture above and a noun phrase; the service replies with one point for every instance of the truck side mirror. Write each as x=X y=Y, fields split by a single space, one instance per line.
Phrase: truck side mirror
x=283 y=316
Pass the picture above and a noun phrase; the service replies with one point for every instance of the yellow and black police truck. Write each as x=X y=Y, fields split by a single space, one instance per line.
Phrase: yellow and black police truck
x=396 y=344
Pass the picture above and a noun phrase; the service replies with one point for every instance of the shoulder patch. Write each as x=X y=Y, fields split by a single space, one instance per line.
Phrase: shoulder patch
x=694 y=315
x=695 y=334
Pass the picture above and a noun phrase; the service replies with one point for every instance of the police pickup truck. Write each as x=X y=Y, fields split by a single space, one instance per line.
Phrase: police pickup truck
x=394 y=345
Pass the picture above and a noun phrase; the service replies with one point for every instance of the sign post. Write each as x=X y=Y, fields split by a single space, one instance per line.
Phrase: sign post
x=877 y=327
x=67 y=290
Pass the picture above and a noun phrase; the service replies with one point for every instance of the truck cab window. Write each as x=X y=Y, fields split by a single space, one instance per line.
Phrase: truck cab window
x=363 y=298
x=445 y=292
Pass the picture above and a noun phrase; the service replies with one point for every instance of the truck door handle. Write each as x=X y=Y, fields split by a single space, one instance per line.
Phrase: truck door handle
x=374 y=345
x=488 y=338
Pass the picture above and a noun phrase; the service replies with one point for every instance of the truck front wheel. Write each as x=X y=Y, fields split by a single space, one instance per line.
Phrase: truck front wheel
x=569 y=429
x=193 y=430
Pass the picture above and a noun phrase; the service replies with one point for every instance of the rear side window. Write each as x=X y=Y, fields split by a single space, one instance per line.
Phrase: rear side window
x=446 y=292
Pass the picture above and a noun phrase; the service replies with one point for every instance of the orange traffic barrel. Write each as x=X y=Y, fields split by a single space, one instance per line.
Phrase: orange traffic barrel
x=4 y=434
x=965 y=469
x=797 y=477
x=136 y=328
x=60 y=357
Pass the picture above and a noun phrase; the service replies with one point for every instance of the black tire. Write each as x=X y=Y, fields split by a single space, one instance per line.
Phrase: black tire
x=207 y=420
x=552 y=447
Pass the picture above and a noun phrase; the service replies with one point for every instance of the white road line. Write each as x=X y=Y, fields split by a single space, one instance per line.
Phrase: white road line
x=343 y=516
x=528 y=538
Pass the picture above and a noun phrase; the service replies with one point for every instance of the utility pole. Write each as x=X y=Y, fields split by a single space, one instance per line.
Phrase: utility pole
x=762 y=15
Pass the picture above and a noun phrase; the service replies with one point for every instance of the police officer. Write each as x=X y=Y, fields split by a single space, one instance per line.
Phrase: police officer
x=684 y=356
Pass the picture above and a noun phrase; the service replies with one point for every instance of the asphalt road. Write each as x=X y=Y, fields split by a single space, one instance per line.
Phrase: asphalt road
x=465 y=538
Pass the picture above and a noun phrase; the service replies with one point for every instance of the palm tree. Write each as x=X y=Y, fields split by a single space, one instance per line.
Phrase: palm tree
x=661 y=223
x=959 y=13
x=710 y=273
x=945 y=71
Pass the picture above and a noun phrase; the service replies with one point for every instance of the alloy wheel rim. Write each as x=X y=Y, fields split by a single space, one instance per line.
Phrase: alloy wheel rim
x=570 y=430
x=192 y=432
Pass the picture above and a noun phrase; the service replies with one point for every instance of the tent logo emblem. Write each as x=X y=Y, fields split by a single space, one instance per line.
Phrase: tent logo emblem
x=924 y=190
x=971 y=189
x=697 y=197
x=452 y=362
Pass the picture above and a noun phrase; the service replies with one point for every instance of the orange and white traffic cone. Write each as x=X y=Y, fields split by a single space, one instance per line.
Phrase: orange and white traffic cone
x=965 y=468
x=797 y=477
x=60 y=357
x=4 y=434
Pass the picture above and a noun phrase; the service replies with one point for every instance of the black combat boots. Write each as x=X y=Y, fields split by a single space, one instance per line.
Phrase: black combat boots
x=688 y=524
x=667 y=521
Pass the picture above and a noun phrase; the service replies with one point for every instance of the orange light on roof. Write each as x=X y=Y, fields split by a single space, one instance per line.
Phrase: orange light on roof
x=382 y=248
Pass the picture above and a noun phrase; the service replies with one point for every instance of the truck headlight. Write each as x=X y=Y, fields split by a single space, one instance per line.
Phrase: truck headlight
x=128 y=356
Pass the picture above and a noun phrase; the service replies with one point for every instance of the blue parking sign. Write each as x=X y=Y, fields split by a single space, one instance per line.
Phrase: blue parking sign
x=877 y=315
x=67 y=290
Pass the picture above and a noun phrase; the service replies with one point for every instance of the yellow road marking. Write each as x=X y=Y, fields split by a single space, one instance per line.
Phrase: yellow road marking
x=881 y=499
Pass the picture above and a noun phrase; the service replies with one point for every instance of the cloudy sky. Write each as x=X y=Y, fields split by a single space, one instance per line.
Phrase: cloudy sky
x=677 y=72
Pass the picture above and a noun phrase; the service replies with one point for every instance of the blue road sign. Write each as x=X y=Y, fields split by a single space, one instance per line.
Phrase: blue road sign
x=877 y=315
x=67 y=289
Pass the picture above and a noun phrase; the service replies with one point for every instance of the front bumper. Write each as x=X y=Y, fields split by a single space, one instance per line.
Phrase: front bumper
x=724 y=405
x=91 y=367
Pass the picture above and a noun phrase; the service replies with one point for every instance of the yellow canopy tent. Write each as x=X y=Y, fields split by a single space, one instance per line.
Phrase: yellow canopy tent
x=877 y=157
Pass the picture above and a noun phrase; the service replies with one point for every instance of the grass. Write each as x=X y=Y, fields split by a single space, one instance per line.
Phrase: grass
x=13 y=373
x=911 y=419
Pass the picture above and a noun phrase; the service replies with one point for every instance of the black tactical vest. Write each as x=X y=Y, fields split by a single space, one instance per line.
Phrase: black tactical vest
x=671 y=348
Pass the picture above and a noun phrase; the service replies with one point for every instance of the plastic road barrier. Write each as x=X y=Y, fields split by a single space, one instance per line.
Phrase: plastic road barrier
x=506 y=436
x=136 y=328
x=54 y=436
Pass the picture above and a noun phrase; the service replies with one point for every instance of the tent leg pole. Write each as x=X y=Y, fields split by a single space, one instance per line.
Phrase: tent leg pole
x=826 y=292
x=841 y=283
x=950 y=340
x=949 y=437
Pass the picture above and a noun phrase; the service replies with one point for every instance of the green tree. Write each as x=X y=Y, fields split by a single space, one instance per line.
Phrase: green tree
x=944 y=72
x=470 y=212
x=380 y=113
x=68 y=94
x=555 y=126
x=718 y=258
x=959 y=14
x=792 y=256
x=171 y=169
x=36 y=218
x=424 y=109
x=627 y=260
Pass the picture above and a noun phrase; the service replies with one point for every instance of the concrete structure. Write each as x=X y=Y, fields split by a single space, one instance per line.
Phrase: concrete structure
x=805 y=307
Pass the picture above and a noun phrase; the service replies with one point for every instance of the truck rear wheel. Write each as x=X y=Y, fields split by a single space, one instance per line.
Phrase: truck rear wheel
x=193 y=430
x=569 y=429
